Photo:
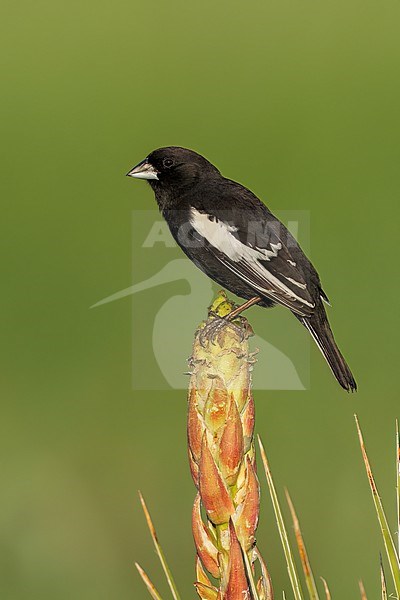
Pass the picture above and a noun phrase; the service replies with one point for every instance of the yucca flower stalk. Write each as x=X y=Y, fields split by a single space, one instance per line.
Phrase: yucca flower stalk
x=222 y=462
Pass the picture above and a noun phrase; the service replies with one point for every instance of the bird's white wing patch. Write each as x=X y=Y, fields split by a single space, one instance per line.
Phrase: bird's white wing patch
x=221 y=236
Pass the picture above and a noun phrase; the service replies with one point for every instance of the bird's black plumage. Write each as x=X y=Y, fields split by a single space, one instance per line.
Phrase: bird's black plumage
x=234 y=238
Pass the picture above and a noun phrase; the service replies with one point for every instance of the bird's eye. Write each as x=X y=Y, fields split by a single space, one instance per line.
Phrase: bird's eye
x=168 y=163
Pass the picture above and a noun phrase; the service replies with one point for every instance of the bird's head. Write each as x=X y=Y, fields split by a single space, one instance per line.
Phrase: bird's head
x=173 y=166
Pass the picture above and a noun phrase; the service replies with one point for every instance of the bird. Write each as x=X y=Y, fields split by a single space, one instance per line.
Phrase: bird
x=231 y=235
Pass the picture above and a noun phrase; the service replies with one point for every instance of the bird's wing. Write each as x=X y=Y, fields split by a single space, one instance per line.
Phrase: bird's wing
x=259 y=256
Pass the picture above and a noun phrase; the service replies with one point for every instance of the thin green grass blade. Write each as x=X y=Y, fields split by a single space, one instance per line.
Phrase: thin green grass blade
x=326 y=588
x=250 y=576
x=294 y=579
x=160 y=553
x=383 y=582
x=387 y=537
x=308 y=574
x=398 y=485
x=150 y=586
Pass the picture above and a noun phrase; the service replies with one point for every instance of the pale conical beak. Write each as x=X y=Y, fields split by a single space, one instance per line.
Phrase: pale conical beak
x=144 y=170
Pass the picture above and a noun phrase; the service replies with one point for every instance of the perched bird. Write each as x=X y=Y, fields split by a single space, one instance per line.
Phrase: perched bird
x=234 y=239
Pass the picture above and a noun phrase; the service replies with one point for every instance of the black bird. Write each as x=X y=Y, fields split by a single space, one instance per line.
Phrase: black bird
x=234 y=239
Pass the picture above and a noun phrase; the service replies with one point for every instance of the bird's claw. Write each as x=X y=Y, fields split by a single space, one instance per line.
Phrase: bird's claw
x=211 y=330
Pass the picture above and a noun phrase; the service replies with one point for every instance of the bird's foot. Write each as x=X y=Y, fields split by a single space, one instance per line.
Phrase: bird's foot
x=210 y=332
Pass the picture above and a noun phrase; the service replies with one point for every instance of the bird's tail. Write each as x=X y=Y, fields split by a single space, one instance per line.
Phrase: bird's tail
x=318 y=326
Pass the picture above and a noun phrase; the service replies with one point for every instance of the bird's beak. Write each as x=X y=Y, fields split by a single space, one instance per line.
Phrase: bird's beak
x=144 y=170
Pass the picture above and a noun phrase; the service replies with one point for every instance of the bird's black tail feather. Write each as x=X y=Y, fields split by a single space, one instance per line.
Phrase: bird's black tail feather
x=318 y=326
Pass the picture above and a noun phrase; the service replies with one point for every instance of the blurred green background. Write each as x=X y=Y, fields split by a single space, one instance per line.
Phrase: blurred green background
x=300 y=101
